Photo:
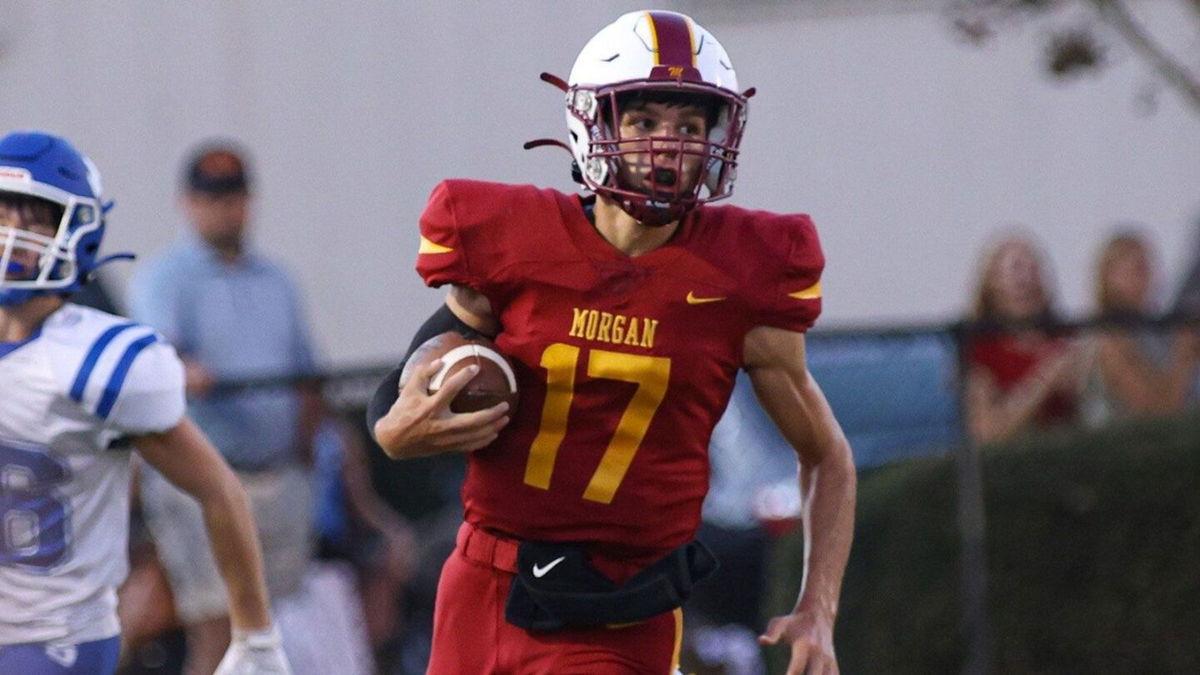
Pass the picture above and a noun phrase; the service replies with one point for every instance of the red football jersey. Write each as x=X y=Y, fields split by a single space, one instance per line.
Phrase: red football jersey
x=624 y=364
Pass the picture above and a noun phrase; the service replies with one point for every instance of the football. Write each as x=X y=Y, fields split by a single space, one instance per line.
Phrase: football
x=495 y=381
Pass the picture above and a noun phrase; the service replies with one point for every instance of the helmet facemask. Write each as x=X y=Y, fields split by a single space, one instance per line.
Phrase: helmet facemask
x=654 y=56
x=596 y=112
x=58 y=265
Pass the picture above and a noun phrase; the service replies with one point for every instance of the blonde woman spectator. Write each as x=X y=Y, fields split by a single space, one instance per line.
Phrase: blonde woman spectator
x=1027 y=377
x=1140 y=369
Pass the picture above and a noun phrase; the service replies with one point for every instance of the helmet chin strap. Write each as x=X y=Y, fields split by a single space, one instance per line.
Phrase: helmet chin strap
x=651 y=216
x=12 y=297
x=637 y=209
x=642 y=207
x=90 y=272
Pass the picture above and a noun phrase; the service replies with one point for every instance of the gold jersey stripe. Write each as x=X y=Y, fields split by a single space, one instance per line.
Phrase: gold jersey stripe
x=430 y=247
x=811 y=293
x=678 y=648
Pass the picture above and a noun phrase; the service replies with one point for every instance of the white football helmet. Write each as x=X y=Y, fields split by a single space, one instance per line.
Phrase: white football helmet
x=653 y=51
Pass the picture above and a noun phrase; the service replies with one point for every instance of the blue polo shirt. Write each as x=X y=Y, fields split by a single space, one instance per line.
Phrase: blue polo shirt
x=239 y=320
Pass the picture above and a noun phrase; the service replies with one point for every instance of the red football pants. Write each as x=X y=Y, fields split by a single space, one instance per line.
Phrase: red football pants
x=471 y=637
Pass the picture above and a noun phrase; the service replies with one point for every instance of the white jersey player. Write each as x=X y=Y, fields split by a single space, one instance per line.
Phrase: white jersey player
x=79 y=389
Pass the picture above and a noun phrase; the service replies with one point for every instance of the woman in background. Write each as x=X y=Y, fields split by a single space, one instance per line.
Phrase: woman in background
x=1140 y=369
x=1020 y=373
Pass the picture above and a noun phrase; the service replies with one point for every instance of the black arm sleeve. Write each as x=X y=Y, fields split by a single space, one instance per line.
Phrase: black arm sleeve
x=442 y=321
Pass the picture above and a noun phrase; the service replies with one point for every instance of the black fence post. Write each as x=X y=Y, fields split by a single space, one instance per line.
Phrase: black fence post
x=972 y=527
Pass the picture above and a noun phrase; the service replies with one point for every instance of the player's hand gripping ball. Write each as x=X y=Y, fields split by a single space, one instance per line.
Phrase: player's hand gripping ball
x=495 y=381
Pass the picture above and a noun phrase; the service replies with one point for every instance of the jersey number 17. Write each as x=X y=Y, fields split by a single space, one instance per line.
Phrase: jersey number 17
x=651 y=374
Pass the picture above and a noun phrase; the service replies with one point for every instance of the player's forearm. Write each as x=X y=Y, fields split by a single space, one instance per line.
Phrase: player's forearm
x=393 y=435
x=391 y=425
x=235 y=548
x=828 y=491
x=185 y=456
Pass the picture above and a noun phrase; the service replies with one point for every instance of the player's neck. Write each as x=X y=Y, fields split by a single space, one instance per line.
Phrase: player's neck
x=20 y=322
x=625 y=233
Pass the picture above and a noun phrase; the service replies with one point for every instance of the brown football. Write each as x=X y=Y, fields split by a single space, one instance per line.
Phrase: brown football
x=495 y=381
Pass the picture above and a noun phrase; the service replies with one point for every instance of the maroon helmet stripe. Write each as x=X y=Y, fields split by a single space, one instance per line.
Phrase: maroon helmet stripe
x=673 y=39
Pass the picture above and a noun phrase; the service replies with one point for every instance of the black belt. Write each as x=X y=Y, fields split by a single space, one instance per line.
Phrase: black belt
x=555 y=587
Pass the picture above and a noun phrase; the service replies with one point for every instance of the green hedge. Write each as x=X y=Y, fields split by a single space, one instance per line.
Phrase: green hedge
x=1093 y=545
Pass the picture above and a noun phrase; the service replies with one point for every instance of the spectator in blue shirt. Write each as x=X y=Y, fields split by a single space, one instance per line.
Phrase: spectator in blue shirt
x=233 y=315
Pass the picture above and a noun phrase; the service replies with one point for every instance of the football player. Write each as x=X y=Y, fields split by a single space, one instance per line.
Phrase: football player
x=78 y=389
x=628 y=313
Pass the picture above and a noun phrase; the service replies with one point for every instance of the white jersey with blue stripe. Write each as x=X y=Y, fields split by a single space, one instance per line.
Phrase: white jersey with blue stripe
x=69 y=397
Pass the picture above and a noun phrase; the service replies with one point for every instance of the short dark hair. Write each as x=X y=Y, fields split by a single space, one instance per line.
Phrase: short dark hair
x=33 y=208
x=633 y=100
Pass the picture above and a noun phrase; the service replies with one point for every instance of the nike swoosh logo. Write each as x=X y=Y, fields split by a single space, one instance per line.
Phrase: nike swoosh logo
x=693 y=300
x=539 y=571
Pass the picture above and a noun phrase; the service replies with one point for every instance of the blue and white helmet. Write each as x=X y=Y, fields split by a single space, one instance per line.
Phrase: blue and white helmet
x=41 y=165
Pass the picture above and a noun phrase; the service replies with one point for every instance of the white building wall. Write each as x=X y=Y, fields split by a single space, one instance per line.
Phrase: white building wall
x=908 y=147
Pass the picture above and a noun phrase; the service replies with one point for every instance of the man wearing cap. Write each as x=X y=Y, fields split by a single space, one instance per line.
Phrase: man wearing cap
x=233 y=315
